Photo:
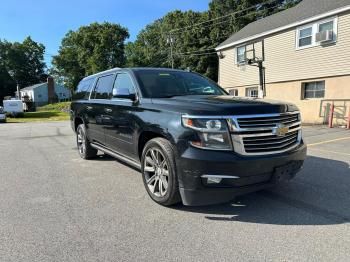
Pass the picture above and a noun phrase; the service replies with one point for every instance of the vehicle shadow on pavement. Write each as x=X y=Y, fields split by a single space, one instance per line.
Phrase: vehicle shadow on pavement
x=319 y=195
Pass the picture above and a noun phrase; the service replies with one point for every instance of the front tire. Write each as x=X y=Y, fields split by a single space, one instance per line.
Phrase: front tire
x=159 y=172
x=84 y=148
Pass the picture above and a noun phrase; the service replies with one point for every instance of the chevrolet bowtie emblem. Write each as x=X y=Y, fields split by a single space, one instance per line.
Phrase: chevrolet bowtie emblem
x=280 y=130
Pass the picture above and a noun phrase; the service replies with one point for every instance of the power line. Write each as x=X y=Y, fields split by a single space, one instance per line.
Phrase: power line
x=201 y=23
x=202 y=54
x=198 y=52
x=256 y=12
x=218 y=18
x=158 y=61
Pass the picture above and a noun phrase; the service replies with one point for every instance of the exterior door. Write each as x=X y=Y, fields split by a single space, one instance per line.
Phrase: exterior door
x=96 y=109
x=120 y=130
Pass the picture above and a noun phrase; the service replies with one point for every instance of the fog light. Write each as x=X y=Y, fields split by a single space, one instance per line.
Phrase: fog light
x=213 y=180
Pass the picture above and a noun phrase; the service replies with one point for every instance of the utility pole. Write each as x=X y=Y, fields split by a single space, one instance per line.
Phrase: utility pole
x=12 y=73
x=259 y=62
x=261 y=79
x=170 y=40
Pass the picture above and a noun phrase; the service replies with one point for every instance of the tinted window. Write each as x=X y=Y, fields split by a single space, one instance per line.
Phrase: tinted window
x=83 y=89
x=103 y=87
x=158 y=84
x=124 y=81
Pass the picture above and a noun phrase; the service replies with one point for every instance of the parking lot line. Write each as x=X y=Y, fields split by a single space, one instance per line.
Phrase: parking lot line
x=329 y=141
x=329 y=151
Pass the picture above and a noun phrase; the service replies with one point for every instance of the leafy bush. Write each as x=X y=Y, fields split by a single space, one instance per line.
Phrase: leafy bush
x=62 y=106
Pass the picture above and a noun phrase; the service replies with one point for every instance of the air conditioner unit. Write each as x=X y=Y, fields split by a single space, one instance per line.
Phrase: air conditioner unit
x=324 y=36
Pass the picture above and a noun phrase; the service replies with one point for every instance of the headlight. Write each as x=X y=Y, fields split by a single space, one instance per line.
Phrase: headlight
x=212 y=133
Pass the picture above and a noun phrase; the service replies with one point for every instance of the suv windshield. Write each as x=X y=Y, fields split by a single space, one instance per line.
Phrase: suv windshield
x=162 y=84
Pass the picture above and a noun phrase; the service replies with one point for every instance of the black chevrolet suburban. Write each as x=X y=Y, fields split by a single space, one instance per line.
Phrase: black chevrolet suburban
x=191 y=140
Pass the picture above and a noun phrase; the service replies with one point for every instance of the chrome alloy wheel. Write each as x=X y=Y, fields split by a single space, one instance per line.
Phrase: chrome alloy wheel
x=81 y=141
x=156 y=172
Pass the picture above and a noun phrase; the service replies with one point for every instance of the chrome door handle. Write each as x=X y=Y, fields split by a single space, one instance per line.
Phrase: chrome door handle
x=89 y=107
x=108 y=110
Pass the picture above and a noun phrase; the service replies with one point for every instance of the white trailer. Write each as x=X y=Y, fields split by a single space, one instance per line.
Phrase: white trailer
x=14 y=107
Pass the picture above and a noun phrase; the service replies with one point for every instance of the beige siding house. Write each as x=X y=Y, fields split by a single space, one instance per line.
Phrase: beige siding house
x=306 y=57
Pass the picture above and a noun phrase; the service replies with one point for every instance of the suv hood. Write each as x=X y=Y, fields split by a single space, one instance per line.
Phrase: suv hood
x=222 y=105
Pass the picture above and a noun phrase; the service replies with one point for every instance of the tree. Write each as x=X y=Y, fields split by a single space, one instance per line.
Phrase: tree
x=153 y=47
x=20 y=63
x=89 y=50
x=242 y=13
x=196 y=34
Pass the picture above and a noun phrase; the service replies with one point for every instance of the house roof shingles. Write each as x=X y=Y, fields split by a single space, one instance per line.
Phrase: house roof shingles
x=304 y=10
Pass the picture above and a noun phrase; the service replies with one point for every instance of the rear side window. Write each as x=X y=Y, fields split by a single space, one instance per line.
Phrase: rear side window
x=103 y=88
x=124 y=81
x=83 y=89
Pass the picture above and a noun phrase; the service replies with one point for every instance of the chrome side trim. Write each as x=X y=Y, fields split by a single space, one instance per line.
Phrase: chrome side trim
x=219 y=176
x=117 y=155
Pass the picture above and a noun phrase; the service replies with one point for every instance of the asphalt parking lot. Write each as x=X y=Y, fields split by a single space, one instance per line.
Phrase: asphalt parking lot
x=55 y=206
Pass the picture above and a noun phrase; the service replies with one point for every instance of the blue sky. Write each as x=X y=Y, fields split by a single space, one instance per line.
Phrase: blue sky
x=47 y=21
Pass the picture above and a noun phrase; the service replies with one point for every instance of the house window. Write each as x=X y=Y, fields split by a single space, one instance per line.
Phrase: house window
x=314 y=89
x=233 y=92
x=252 y=92
x=306 y=35
x=240 y=54
x=326 y=26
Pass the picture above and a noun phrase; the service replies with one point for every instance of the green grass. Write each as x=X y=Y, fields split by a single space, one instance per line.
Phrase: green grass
x=41 y=116
x=63 y=106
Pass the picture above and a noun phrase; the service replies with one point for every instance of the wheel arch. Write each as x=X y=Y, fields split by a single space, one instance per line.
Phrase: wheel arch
x=78 y=121
x=147 y=135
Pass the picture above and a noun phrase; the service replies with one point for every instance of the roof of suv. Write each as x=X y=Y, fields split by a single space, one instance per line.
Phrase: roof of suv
x=132 y=69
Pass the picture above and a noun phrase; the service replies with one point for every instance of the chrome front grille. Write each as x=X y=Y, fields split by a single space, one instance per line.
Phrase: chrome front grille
x=259 y=134
x=267 y=143
x=256 y=122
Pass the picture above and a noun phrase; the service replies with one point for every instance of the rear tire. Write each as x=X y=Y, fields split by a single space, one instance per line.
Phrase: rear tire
x=159 y=172
x=84 y=147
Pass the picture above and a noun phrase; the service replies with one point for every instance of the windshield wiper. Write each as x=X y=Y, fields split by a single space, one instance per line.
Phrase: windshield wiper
x=170 y=96
x=187 y=94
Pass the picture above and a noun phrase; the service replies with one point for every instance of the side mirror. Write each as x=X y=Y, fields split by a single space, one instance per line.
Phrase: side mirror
x=123 y=93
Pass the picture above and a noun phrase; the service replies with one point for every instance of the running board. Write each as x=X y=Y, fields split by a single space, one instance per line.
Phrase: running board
x=116 y=155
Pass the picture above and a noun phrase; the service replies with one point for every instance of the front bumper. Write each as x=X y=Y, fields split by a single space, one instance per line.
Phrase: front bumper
x=249 y=173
